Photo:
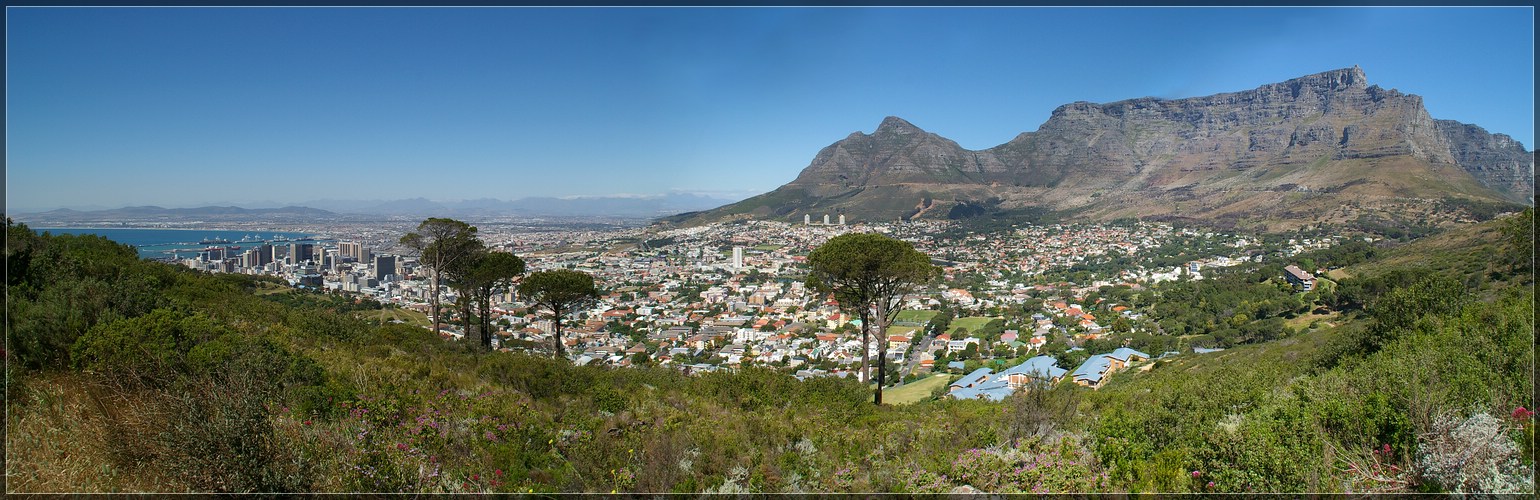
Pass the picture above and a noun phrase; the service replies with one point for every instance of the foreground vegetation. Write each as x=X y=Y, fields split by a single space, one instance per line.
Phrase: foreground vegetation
x=127 y=375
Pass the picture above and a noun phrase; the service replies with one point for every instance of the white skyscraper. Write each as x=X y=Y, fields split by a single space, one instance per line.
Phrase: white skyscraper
x=825 y=219
x=737 y=257
x=842 y=219
x=807 y=219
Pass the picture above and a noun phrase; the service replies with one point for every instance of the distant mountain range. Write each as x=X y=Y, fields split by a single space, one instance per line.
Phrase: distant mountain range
x=641 y=207
x=1320 y=149
x=594 y=206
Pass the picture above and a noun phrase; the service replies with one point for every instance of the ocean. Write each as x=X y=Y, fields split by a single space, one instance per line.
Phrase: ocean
x=179 y=243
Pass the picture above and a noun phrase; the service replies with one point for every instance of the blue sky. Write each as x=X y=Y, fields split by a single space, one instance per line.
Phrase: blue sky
x=109 y=107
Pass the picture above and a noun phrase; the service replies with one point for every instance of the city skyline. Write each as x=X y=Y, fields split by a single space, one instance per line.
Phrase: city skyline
x=112 y=107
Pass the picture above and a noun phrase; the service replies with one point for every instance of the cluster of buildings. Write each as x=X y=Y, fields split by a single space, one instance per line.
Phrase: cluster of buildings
x=342 y=265
x=731 y=294
x=983 y=383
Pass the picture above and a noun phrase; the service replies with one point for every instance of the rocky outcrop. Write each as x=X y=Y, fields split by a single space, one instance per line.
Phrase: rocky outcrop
x=896 y=153
x=1496 y=160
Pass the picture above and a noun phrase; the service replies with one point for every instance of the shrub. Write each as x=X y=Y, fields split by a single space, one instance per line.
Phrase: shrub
x=150 y=347
x=1472 y=455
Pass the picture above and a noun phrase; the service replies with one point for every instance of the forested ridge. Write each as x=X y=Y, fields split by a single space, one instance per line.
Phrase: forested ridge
x=131 y=375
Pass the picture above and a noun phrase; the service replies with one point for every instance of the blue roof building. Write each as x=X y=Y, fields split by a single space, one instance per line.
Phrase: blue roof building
x=978 y=376
x=1125 y=355
x=981 y=384
x=1090 y=372
x=1043 y=368
x=1094 y=370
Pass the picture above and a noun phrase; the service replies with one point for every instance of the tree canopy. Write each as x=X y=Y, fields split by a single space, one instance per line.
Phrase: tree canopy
x=440 y=243
x=560 y=291
x=871 y=274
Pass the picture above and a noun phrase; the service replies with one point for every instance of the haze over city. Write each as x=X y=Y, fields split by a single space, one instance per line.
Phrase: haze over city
x=109 y=107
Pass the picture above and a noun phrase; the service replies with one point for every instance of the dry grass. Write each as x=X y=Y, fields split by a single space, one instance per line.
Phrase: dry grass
x=409 y=316
x=60 y=434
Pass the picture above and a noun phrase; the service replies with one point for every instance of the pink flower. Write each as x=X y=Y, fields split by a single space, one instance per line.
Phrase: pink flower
x=1195 y=474
x=401 y=446
x=1385 y=449
x=475 y=477
x=1211 y=484
x=1521 y=414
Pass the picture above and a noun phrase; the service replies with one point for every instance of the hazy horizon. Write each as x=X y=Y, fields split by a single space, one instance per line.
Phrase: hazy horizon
x=185 y=107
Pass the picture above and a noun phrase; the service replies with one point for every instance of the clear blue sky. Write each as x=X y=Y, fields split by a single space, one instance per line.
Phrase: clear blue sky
x=109 y=107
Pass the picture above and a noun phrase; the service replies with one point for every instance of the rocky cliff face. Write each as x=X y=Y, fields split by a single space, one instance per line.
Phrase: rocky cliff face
x=1496 y=160
x=1286 y=151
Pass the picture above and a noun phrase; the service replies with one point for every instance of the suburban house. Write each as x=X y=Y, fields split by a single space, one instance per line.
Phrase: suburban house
x=961 y=344
x=972 y=379
x=1298 y=277
x=1095 y=370
x=1044 y=368
x=981 y=384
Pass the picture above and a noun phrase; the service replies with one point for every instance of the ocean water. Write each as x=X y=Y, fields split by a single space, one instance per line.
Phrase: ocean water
x=180 y=243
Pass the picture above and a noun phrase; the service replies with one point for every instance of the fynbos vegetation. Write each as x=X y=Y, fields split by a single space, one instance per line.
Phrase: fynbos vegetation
x=134 y=376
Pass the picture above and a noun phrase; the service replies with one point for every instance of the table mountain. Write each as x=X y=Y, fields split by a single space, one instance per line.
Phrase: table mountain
x=1322 y=148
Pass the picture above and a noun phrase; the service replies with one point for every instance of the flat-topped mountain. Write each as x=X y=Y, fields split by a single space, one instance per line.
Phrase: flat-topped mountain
x=1321 y=148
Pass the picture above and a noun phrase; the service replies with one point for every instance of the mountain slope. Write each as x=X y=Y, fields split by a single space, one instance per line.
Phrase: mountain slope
x=1327 y=147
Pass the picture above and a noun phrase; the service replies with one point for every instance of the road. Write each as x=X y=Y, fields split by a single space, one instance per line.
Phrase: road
x=913 y=359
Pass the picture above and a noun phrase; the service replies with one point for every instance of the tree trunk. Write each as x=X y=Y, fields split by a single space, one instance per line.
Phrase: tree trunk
x=882 y=368
x=486 y=317
x=882 y=351
x=433 y=301
x=561 y=350
x=866 y=373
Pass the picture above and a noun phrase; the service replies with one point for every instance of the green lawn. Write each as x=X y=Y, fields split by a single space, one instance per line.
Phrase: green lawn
x=901 y=330
x=916 y=391
x=972 y=323
x=409 y=316
x=916 y=316
x=768 y=248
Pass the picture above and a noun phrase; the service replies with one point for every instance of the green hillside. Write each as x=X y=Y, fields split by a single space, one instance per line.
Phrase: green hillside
x=133 y=376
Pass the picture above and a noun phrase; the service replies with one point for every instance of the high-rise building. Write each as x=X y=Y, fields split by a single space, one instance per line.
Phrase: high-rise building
x=350 y=250
x=737 y=257
x=825 y=219
x=264 y=254
x=384 y=265
x=842 y=219
x=299 y=252
x=807 y=219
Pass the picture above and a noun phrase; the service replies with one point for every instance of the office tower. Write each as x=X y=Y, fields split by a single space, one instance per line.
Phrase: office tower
x=384 y=265
x=350 y=250
x=299 y=252
x=264 y=254
x=825 y=219
x=737 y=257
x=842 y=219
x=807 y=219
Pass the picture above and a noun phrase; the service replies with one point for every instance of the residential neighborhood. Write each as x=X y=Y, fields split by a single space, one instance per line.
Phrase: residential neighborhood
x=728 y=295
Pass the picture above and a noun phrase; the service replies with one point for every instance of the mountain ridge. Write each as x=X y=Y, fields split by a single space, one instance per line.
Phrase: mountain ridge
x=1279 y=155
x=591 y=206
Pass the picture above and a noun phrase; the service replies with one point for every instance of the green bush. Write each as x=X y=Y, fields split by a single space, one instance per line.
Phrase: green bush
x=153 y=346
